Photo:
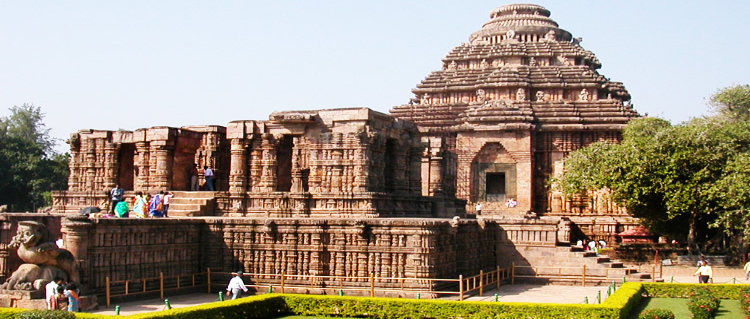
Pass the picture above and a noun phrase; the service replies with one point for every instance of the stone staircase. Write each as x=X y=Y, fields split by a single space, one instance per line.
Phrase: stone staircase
x=189 y=204
x=565 y=265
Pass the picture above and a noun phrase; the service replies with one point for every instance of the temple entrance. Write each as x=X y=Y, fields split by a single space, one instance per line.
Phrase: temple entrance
x=284 y=160
x=493 y=174
x=182 y=167
x=126 y=171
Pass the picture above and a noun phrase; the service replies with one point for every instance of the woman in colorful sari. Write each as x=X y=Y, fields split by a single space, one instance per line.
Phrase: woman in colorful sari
x=139 y=206
x=155 y=206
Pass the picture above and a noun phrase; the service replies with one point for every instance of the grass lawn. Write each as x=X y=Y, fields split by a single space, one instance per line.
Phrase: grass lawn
x=728 y=308
x=306 y=317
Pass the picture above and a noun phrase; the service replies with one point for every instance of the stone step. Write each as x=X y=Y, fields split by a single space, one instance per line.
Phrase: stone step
x=189 y=207
x=181 y=200
x=197 y=194
x=602 y=259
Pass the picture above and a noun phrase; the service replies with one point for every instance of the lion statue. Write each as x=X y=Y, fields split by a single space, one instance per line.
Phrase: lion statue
x=43 y=259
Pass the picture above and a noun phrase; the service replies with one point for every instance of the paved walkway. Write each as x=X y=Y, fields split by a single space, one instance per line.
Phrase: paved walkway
x=506 y=293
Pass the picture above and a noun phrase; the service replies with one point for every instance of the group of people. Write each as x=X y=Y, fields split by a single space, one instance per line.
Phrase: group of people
x=208 y=175
x=141 y=206
x=62 y=296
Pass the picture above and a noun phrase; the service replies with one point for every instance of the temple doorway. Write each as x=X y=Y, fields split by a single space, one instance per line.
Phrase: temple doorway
x=284 y=168
x=493 y=174
x=126 y=171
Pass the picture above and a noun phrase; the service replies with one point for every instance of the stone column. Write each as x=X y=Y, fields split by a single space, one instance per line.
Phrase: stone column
x=111 y=167
x=90 y=164
x=74 y=162
x=269 y=164
x=76 y=231
x=142 y=168
x=238 y=165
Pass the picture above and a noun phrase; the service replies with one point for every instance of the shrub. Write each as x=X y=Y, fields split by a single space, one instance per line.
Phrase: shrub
x=703 y=304
x=656 y=314
x=745 y=300
x=46 y=314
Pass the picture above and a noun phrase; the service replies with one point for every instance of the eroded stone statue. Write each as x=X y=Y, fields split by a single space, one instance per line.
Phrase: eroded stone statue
x=43 y=259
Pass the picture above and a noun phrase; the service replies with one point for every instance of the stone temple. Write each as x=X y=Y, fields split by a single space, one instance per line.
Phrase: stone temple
x=352 y=192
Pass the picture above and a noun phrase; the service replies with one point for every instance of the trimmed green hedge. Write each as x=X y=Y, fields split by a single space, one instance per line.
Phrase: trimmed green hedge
x=671 y=290
x=618 y=305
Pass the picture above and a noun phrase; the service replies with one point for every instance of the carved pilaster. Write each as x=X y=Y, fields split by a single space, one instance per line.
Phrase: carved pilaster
x=110 y=164
x=269 y=164
x=142 y=169
x=238 y=166
x=163 y=160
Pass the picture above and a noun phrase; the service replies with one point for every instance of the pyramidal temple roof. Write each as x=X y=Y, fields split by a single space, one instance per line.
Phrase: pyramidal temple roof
x=520 y=71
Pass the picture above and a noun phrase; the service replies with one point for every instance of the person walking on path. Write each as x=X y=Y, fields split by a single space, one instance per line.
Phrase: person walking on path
x=704 y=273
x=236 y=286
x=747 y=270
x=208 y=174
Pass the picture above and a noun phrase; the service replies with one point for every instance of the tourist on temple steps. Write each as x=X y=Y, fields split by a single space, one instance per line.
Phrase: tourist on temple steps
x=704 y=273
x=139 y=205
x=156 y=205
x=167 y=197
x=116 y=195
x=208 y=174
x=122 y=210
x=236 y=286
x=194 y=178
x=478 y=209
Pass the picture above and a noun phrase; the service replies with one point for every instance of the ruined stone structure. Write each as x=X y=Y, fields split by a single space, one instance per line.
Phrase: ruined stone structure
x=352 y=192
x=508 y=106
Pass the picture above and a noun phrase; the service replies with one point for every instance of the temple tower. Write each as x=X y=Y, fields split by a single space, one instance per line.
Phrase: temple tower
x=509 y=105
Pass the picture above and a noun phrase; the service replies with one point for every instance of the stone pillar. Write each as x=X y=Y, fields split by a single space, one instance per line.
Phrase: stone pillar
x=238 y=165
x=142 y=168
x=74 y=162
x=297 y=186
x=269 y=164
x=111 y=167
x=76 y=231
x=160 y=177
x=90 y=164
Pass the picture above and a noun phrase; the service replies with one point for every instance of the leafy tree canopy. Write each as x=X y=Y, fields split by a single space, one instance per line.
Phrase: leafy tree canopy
x=31 y=169
x=685 y=181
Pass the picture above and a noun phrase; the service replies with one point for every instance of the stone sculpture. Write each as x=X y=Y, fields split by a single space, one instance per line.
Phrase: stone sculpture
x=43 y=259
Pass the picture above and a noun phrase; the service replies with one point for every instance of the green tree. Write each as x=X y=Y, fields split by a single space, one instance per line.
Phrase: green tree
x=676 y=178
x=31 y=169
x=733 y=102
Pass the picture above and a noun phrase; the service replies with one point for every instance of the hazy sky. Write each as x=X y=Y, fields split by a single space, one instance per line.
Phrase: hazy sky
x=132 y=64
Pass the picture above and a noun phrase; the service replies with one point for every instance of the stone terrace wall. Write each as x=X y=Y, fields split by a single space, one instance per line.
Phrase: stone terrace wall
x=399 y=247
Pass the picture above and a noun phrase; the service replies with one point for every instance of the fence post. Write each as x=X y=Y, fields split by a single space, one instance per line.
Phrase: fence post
x=208 y=279
x=512 y=273
x=106 y=289
x=584 y=276
x=460 y=287
x=282 y=281
x=372 y=284
x=653 y=273
x=161 y=285
x=481 y=282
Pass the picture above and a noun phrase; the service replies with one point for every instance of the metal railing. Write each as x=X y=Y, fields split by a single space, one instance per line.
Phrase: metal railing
x=369 y=285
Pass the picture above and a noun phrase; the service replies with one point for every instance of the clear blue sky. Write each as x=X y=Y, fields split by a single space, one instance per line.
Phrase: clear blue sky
x=131 y=64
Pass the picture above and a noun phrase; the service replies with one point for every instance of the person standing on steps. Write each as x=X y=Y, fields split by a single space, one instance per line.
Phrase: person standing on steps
x=117 y=196
x=194 y=178
x=208 y=174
